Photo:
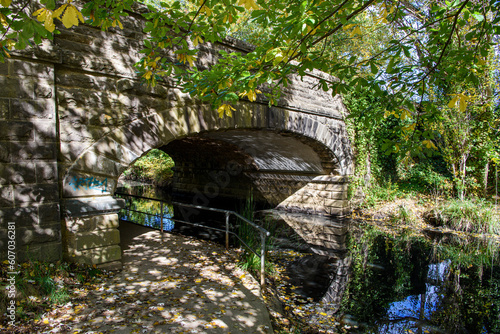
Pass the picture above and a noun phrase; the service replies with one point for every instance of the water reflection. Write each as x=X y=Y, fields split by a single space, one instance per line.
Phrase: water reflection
x=146 y=212
x=373 y=281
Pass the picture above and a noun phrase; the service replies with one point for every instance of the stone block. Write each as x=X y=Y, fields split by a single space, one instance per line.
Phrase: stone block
x=86 y=224
x=6 y=196
x=28 y=109
x=16 y=88
x=79 y=184
x=334 y=203
x=96 y=255
x=36 y=234
x=50 y=252
x=91 y=161
x=89 y=240
x=23 y=69
x=37 y=193
x=33 y=151
x=17 y=173
x=21 y=216
x=4 y=109
x=92 y=206
x=5 y=152
x=49 y=213
x=45 y=131
x=16 y=131
x=46 y=172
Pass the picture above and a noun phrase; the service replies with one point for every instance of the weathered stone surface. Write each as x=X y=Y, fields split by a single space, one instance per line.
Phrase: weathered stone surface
x=95 y=239
x=86 y=224
x=16 y=131
x=17 y=173
x=36 y=193
x=27 y=109
x=96 y=255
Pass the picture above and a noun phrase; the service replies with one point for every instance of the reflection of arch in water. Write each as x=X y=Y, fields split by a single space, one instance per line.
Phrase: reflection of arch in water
x=327 y=239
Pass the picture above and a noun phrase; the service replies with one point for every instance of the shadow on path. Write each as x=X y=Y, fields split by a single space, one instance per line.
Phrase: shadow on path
x=181 y=285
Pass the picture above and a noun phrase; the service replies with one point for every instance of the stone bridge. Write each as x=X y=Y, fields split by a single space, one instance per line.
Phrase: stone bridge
x=74 y=115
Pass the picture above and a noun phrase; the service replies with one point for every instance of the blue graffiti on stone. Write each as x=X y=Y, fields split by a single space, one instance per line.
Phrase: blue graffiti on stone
x=88 y=183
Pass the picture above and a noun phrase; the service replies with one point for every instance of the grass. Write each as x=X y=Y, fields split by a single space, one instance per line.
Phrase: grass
x=41 y=286
x=252 y=237
x=404 y=215
x=468 y=215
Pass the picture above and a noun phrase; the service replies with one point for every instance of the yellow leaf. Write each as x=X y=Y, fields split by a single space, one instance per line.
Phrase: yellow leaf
x=206 y=10
x=453 y=102
x=429 y=144
x=59 y=11
x=228 y=18
x=248 y=4
x=71 y=16
x=147 y=75
x=225 y=109
x=186 y=59
x=357 y=31
x=405 y=114
x=5 y=3
x=463 y=103
x=3 y=20
x=197 y=40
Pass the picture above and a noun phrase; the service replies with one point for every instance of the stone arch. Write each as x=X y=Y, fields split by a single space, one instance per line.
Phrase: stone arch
x=75 y=114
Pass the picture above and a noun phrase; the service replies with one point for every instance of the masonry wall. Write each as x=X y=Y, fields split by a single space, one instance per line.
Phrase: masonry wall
x=29 y=190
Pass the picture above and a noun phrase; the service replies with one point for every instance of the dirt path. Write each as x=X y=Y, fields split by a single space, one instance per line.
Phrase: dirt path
x=182 y=285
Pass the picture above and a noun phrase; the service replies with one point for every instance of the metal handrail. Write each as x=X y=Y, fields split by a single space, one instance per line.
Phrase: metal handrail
x=263 y=232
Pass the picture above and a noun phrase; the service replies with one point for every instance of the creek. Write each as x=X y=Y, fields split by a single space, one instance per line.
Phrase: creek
x=355 y=276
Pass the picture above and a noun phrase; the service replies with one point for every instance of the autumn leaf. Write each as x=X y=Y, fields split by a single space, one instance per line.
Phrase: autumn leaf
x=251 y=94
x=5 y=3
x=147 y=75
x=206 y=10
x=248 y=4
x=46 y=16
x=429 y=144
x=197 y=40
x=70 y=15
x=461 y=99
x=186 y=59
x=225 y=109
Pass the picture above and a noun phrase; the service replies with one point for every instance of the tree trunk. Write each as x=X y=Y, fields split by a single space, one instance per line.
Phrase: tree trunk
x=485 y=178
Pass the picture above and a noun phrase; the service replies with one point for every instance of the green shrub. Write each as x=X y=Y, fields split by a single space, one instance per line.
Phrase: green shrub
x=424 y=178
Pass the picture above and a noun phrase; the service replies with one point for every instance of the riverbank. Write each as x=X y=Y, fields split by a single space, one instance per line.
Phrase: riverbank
x=420 y=214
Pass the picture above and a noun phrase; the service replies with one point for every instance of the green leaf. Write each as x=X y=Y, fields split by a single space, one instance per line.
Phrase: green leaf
x=373 y=68
x=478 y=16
x=390 y=66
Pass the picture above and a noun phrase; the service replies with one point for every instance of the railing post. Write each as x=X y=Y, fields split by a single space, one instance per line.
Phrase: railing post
x=161 y=219
x=227 y=230
x=262 y=259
